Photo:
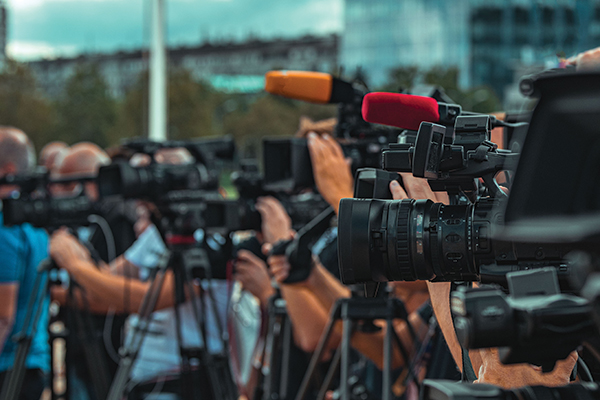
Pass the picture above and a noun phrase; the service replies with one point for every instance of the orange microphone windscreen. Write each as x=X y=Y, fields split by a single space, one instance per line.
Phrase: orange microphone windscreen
x=314 y=87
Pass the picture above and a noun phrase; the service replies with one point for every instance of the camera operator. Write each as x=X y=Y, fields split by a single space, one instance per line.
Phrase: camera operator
x=158 y=362
x=49 y=153
x=485 y=362
x=83 y=160
x=309 y=303
x=22 y=249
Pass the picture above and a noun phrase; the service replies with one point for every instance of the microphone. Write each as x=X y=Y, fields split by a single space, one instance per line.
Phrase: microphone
x=407 y=111
x=314 y=87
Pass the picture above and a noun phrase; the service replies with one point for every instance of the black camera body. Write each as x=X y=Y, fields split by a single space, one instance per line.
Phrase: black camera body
x=386 y=240
x=535 y=324
x=449 y=390
x=186 y=195
x=452 y=163
x=382 y=240
x=288 y=165
x=35 y=204
x=301 y=207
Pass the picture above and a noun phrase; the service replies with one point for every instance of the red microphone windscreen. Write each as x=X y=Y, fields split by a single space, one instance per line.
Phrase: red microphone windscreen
x=400 y=110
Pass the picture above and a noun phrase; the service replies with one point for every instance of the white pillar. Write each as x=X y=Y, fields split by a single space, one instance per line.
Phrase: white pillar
x=158 y=75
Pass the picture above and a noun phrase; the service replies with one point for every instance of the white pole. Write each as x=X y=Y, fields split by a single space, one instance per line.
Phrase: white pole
x=158 y=76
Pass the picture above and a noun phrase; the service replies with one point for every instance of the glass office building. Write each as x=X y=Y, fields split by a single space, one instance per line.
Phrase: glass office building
x=488 y=40
x=382 y=34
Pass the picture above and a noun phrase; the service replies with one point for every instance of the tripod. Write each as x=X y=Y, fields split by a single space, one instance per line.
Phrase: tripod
x=183 y=258
x=14 y=380
x=276 y=353
x=350 y=311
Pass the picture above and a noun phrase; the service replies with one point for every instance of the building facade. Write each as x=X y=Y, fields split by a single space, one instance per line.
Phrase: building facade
x=508 y=36
x=488 y=40
x=232 y=67
x=382 y=34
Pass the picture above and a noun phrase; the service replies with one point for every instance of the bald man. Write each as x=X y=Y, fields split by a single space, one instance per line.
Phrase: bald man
x=83 y=160
x=49 y=153
x=159 y=355
x=22 y=248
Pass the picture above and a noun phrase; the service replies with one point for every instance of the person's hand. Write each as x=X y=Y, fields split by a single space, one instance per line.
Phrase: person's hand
x=251 y=271
x=66 y=250
x=588 y=60
x=276 y=223
x=416 y=188
x=492 y=371
x=279 y=267
x=332 y=173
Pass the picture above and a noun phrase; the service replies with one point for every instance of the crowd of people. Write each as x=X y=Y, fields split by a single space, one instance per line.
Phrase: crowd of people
x=99 y=290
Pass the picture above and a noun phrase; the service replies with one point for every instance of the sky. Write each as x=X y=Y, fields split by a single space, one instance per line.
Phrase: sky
x=52 y=28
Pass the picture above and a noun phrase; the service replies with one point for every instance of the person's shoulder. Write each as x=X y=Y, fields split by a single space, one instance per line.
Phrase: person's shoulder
x=36 y=237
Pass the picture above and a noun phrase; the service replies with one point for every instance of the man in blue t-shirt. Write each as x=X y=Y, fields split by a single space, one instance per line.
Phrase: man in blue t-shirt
x=22 y=248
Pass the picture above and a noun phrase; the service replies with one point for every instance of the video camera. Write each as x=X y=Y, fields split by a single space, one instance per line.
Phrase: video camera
x=301 y=207
x=536 y=323
x=35 y=203
x=382 y=240
x=186 y=195
x=287 y=160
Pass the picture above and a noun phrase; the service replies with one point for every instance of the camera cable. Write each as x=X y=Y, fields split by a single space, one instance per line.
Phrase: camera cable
x=110 y=315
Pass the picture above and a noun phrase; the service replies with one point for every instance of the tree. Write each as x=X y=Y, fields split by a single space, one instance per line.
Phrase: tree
x=86 y=110
x=191 y=107
x=478 y=99
x=268 y=115
x=22 y=104
x=401 y=78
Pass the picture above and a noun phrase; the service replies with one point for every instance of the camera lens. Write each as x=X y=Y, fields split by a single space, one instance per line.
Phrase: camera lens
x=392 y=240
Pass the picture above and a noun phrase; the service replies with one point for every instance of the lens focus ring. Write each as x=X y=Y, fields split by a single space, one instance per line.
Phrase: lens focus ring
x=402 y=240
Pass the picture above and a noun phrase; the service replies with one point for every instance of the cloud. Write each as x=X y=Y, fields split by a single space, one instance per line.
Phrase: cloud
x=105 y=25
x=25 y=51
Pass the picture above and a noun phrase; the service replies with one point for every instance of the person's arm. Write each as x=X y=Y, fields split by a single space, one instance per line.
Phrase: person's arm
x=8 y=306
x=120 y=266
x=310 y=304
x=107 y=289
x=331 y=170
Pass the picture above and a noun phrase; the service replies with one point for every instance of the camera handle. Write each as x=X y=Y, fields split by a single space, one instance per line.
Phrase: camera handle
x=298 y=249
x=351 y=311
x=14 y=380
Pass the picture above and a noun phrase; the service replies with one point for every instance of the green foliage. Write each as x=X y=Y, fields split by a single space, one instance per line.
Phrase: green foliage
x=478 y=99
x=401 y=78
x=191 y=108
x=23 y=106
x=85 y=110
x=269 y=115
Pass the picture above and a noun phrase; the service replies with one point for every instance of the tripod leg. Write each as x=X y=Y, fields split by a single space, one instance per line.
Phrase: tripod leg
x=132 y=347
x=94 y=358
x=216 y=388
x=333 y=369
x=387 y=360
x=14 y=379
x=285 y=357
x=314 y=361
x=345 y=359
